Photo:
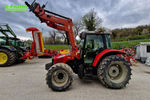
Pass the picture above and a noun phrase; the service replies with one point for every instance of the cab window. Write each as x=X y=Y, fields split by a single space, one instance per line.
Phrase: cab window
x=94 y=42
x=108 y=41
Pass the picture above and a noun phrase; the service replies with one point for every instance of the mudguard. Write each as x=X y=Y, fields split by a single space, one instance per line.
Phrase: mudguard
x=8 y=47
x=48 y=65
x=104 y=53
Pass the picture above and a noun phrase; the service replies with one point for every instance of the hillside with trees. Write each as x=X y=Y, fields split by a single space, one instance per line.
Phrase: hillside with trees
x=126 y=34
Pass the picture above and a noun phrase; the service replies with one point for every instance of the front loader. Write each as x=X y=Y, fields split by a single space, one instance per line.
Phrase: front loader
x=93 y=57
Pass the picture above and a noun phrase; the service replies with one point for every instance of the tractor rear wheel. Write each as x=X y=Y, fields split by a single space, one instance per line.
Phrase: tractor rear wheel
x=114 y=72
x=59 y=77
x=7 y=58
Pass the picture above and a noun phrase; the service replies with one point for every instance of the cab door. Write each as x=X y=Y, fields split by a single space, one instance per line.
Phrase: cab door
x=94 y=44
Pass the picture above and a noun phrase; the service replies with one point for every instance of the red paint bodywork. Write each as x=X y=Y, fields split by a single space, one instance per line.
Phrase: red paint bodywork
x=33 y=50
x=64 y=58
x=106 y=51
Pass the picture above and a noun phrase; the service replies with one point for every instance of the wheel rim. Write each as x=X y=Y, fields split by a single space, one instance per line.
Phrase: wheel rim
x=3 y=58
x=59 y=78
x=114 y=71
x=117 y=72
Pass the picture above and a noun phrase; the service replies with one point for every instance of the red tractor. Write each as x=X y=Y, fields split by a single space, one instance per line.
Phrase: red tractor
x=94 y=56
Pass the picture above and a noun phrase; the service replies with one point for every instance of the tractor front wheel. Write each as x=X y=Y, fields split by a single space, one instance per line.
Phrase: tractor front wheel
x=59 y=77
x=114 y=72
x=7 y=58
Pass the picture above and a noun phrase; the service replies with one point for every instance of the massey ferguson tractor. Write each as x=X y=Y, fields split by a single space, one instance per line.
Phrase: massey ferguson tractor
x=94 y=56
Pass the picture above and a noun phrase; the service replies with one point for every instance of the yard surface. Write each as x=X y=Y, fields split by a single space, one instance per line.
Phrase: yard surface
x=27 y=82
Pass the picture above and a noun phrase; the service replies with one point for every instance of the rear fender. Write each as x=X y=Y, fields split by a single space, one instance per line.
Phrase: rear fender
x=105 y=53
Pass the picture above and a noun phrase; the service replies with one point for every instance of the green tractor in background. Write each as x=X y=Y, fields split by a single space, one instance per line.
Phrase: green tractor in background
x=11 y=48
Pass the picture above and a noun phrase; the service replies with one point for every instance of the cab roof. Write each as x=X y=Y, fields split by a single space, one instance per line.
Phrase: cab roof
x=93 y=32
x=82 y=35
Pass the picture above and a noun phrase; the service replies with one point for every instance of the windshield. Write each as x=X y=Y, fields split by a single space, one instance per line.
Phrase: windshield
x=95 y=40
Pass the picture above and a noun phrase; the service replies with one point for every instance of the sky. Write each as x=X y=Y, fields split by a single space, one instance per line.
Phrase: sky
x=114 y=13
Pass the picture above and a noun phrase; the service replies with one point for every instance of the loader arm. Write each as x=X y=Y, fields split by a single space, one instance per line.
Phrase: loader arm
x=7 y=29
x=55 y=21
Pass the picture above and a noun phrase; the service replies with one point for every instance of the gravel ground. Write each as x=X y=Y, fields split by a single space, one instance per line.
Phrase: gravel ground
x=27 y=82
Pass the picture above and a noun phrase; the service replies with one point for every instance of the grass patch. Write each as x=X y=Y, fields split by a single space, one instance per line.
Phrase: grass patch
x=127 y=44
x=58 y=47
x=115 y=45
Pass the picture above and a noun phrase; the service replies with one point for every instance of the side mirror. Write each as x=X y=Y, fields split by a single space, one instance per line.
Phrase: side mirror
x=82 y=35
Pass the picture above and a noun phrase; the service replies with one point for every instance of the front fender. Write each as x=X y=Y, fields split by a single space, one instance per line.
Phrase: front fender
x=12 y=49
x=8 y=48
x=105 y=53
x=48 y=65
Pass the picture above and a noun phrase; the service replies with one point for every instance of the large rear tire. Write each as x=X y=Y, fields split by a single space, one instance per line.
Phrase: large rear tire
x=114 y=72
x=7 y=58
x=59 y=77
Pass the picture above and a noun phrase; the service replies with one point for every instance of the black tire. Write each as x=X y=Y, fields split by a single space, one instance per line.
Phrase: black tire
x=11 y=57
x=114 y=72
x=20 y=61
x=81 y=71
x=59 y=77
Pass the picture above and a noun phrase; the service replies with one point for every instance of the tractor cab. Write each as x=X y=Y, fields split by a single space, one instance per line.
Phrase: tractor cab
x=92 y=43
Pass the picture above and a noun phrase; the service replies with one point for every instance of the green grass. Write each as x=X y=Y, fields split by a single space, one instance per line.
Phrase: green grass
x=115 y=45
x=57 y=47
x=127 y=44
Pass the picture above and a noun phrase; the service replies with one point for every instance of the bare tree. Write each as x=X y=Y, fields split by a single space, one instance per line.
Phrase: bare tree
x=53 y=35
x=63 y=35
x=47 y=40
x=77 y=27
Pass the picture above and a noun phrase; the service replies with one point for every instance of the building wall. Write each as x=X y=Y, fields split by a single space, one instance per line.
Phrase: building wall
x=137 y=56
x=141 y=51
